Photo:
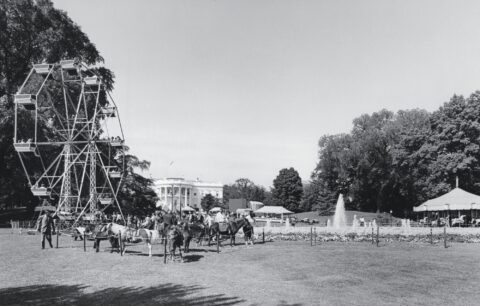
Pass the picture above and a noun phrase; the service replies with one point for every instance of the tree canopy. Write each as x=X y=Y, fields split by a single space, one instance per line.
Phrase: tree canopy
x=243 y=188
x=287 y=189
x=36 y=32
x=208 y=202
x=394 y=161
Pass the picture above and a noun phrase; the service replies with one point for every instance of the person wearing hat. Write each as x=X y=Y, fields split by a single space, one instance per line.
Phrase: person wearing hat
x=45 y=226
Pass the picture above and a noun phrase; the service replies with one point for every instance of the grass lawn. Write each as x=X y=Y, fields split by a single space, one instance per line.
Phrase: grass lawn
x=276 y=273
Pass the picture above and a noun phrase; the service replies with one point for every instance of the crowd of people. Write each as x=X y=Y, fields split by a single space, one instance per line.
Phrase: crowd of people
x=172 y=218
x=46 y=222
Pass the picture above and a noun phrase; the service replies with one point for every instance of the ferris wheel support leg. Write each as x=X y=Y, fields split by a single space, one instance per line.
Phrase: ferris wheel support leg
x=15 y=127
x=24 y=169
x=93 y=177
x=81 y=184
x=111 y=187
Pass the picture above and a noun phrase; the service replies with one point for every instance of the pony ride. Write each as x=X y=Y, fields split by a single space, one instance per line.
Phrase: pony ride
x=231 y=230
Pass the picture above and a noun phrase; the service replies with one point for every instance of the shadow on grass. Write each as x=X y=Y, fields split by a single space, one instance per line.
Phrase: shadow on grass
x=198 y=250
x=191 y=258
x=167 y=294
x=137 y=253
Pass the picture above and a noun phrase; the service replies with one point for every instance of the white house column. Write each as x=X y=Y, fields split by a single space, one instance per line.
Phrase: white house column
x=186 y=192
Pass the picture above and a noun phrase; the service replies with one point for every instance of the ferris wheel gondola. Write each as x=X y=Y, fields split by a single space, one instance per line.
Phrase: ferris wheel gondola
x=63 y=116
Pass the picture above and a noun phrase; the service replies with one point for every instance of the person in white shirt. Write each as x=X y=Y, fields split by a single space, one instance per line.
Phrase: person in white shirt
x=220 y=217
x=208 y=220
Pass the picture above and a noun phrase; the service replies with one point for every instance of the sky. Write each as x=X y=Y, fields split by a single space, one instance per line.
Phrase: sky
x=221 y=90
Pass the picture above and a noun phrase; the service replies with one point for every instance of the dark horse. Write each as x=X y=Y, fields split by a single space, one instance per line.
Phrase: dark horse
x=96 y=232
x=174 y=241
x=187 y=233
x=232 y=228
x=195 y=230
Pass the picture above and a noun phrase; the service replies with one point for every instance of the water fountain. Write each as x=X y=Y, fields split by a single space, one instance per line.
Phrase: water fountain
x=355 y=222
x=339 y=216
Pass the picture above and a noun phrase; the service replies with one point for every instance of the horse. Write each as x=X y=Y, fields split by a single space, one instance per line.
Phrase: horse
x=195 y=230
x=248 y=233
x=116 y=230
x=149 y=236
x=97 y=232
x=232 y=228
x=174 y=241
x=423 y=221
x=458 y=221
x=185 y=228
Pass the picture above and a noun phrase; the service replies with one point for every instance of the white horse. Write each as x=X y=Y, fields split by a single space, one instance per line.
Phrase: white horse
x=149 y=236
x=130 y=234
x=423 y=221
x=458 y=221
x=126 y=233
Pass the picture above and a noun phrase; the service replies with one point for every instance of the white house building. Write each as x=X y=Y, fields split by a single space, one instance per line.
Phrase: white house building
x=185 y=192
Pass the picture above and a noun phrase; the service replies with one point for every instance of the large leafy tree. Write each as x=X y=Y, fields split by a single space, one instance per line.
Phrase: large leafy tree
x=136 y=195
x=287 y=189
x=243 y=188
x=397 y=161
x=209 y=201
x=317 y=197
x=33 y=32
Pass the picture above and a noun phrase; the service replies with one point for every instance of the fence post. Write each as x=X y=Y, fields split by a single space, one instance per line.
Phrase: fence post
x=378 y=232
x=120 y=243
x=85 y=243
x=263 y=234
x=311 y=236
x=56 y=246
x=372 y=236
x=315 y=239
x=165 y=249
x=431 y=235
x=218 y=243
x=445 y=237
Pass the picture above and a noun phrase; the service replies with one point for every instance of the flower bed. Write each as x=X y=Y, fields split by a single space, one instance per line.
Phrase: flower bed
x=354 y=237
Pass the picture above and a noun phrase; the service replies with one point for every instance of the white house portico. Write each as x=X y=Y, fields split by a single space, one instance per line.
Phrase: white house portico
x=174 y=193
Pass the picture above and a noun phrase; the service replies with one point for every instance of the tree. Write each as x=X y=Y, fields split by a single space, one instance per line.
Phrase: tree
x=317 y=197
x=287 y=189
x=208 y=202
x=397 y=161
x=33 y=32
x=243 y=188
x=136 y=195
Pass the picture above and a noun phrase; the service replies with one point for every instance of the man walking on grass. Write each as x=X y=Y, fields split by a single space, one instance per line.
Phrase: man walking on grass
x=45 y=226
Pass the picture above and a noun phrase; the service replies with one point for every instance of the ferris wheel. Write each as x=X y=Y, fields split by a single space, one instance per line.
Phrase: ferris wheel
x=64 y=115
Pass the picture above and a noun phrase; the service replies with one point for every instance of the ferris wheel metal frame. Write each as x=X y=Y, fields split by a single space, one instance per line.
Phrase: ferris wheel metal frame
x=82 y=165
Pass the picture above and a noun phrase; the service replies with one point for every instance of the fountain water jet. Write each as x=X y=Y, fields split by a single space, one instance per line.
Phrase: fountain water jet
x=339 y=216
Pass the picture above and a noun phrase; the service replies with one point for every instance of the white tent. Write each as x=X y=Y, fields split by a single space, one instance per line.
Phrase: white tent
x=215 y=209
x=187 y=208
x=457 y=199
x=273 y=210
x=243 y=211
x=277 y=210
x=255 y=205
